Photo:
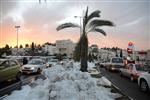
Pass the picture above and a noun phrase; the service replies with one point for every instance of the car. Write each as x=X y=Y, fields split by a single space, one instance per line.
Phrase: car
x=102 y=64
x=51 y=62
x=114 y=64
x=9 y=69
x=144 y=82
x=133 y=71
x=34 y=66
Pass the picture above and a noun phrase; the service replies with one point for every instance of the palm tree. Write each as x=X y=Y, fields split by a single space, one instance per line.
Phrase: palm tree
x=91 y=23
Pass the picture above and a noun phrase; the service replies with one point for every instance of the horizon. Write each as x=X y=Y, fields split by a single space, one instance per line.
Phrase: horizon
x=66 y=39
x=39 y=21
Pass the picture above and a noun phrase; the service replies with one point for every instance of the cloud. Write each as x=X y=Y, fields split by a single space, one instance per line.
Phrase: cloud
x=134 y=22
x=39 y=21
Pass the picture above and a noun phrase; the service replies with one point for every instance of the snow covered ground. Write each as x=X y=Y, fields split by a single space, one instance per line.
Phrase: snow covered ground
x=65 y=82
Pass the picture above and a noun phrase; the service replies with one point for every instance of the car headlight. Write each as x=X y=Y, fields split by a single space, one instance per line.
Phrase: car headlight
x=32 y=68
x=47 y=64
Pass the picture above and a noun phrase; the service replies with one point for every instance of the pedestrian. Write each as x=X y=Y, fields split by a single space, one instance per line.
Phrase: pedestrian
x=25 y=61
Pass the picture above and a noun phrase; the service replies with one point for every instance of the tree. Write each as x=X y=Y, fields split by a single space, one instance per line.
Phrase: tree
x=5 y=50
x=26 y=45
x=90 y=23
x=20 y=46
x=121 y=54
x=32 y=48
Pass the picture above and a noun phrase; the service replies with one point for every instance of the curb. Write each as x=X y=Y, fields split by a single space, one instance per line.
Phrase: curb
x=121 y=91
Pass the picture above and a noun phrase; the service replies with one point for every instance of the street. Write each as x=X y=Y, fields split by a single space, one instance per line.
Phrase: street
x=129 y=88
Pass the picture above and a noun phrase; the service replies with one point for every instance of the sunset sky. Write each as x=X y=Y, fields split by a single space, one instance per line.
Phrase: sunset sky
x=39 y=21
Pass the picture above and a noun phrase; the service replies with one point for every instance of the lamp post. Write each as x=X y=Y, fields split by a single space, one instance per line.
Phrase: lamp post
x=17 y=28
x=80 y=22
x=80 y=46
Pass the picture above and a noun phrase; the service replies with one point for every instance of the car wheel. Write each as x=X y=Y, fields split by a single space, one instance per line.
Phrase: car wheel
x=131 y=78
x=18 y=76
x=143 y=86
x=39 y=71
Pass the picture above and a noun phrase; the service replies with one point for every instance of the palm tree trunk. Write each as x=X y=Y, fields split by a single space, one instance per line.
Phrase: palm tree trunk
x=84 y=53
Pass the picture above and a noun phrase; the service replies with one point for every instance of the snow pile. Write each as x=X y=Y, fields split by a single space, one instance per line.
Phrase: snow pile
x=104 y=82
x=65 y=83
x=91 y=65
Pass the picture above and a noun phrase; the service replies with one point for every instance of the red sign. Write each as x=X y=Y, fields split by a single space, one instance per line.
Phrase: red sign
x=130 y=51
x=130 y=48
x=130 y=44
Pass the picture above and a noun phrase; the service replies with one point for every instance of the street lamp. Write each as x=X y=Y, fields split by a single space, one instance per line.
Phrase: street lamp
x=80 y=31
x=80 y=23
x=17 y=28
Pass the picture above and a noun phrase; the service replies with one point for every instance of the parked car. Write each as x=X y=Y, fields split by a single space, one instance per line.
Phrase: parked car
x=133 y=71
x=114 y=64
x=34 y=66
x=9 y=69
x=51 y=62
x=103 y=64
x=144 y=82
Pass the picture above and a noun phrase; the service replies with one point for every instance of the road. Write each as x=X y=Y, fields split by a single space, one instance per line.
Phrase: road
x=129 y=88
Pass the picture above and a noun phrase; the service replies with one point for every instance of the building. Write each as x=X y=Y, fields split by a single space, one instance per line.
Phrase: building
x=105 y=55
x=50 y=49
x=21 y=51
x=65 y=47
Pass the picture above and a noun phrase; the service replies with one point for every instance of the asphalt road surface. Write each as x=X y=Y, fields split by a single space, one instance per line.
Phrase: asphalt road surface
x=129 y=88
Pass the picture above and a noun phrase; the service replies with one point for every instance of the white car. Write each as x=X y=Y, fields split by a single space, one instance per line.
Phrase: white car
x=144 y=82
x=34 y=66
x=52 y=62
x=114 y=64
x=133 y=71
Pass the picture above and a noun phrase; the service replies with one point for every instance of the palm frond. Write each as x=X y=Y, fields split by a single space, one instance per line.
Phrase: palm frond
x=66 y=25
x=99 y=30
x=93 y=15
x=98 y=22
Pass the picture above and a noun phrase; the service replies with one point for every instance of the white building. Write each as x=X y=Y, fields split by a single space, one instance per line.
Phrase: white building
x=50 y=49
x=65 y=47
x=106 y=54
x=21 y=51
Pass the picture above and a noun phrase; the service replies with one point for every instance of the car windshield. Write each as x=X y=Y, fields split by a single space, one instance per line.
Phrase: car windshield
x=141 y=67
x=35 y=62
x=54 y=60
x=117 y=60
